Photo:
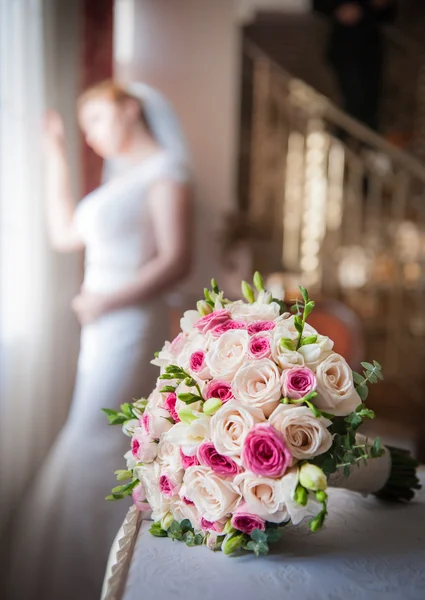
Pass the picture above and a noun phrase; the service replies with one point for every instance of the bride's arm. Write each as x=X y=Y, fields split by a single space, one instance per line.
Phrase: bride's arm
x=60 y=205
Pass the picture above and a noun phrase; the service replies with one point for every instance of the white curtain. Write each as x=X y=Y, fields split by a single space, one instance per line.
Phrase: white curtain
x=38 y=335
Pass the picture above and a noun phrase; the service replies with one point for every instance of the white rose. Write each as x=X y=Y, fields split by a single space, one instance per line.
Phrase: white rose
x=335 y=387
x=169 y=455
x=230 y=425
x=149 y=476
x=190 y=436
x=130 y=460
x=285 y=327
x=214 y=497
x=315 y=353
x=129 y=427
x=305 y=435
x=197 y=343
x=273 y=499
x=257 y=311
x=188 y=320
x=180 y=511
x=227 y=354
x=257 y=384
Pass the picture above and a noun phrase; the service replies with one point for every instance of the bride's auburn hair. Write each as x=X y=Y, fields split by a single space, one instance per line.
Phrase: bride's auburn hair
x=113 y=91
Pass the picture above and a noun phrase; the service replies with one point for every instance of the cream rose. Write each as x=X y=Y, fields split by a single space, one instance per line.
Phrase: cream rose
x=230 y=425
x=305 y=435
x=130 y=460
x=227 y=354
x=181 y=510
x=214 y=497
x=273 y=499
x=335 y=387
x=189 y=436
x=264 y=495
x=169 y=455
x=257 y=384
x=257 y=311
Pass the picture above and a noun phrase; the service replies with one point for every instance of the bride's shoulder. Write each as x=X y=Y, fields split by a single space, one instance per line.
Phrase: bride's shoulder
x=173 y=166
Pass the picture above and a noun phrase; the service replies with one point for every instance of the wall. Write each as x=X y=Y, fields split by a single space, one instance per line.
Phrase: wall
x=190 y=50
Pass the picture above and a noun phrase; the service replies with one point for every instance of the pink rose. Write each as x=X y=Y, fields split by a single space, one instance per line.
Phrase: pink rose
x=139 y=498
x=298 y=382
x=177 y=344
x=265 y=452
x=245 y=521
x=187 y=501
x=259 y=347
x=219 y=389
x=145 y=422
x=216 y=526
x=167 y=486
x=222 y=465
x=227 y=326
x=212 y=320
x=258 y=326
x=197 y=361
x=143 y=447
x=170 y=405
x=188 y=461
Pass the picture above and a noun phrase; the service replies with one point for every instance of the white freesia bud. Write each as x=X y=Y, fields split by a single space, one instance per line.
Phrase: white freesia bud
x=212 y=405
x=313 y=478
x=129 y=427
x=166 y=521
x=203 y=308
x=264 y=297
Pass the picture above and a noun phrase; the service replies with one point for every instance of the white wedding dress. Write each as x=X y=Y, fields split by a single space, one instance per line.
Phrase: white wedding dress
x=65 y=526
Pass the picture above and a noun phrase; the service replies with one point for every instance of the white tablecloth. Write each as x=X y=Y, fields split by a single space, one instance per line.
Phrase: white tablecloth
x=368 y=550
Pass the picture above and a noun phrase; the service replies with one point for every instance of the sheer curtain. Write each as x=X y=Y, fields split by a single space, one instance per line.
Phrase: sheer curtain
x=38 y=335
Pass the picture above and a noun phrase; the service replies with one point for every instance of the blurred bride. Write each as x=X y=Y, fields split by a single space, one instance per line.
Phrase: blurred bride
x=135 y=229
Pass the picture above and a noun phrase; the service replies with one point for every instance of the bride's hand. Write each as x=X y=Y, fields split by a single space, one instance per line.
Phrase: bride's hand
x=89 y=307
x=54 y=130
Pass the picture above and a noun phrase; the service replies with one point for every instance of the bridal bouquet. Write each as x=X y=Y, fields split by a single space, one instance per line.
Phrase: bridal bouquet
x=252 y=417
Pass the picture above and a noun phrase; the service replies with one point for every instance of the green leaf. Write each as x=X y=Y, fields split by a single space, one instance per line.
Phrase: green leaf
x=258 y=547
x=156 y=354
x=376 y=450
x=304 y=293
x=188 y=398
x=168 y=376
x=258 y=536
x=367 y=366
x=174 y=527
x=363 y=392
x=347 y=471
x=282 y=305
x=312 y=339
x=308 y=308
x=186 y=525
x=288 y=344
x=189 y=538
x=358 y=379
x=189 y=382
x=199 y=538
x=127 y=410
x=168 y=389
x=114 y=497
x=377 y=365
x=273 y=535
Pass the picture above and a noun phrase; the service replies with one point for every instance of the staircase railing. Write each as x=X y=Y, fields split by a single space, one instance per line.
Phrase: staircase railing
x=347 y=216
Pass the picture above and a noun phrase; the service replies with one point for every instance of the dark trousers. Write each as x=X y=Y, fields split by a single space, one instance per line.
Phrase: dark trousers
x=359 y=76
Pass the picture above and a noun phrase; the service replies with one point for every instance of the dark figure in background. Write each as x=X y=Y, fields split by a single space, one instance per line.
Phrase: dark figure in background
x=356 y=52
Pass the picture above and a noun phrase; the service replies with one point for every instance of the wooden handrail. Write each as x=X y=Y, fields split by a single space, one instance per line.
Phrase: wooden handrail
x=340 y=119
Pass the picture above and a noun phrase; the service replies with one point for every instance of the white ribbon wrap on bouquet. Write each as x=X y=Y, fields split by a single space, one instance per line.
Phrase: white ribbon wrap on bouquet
x=365 y=478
